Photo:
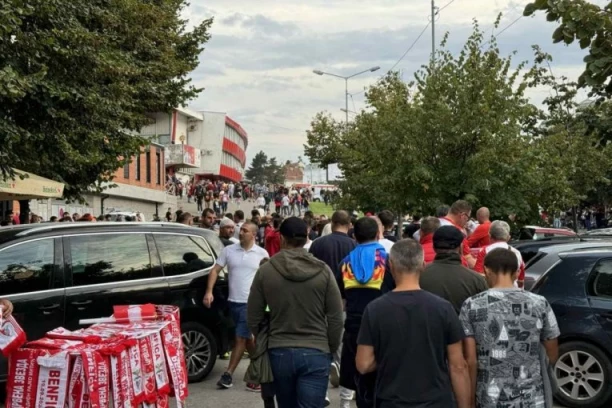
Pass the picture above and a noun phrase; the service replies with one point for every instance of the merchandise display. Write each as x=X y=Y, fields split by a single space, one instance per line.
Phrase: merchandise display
x=133 y=359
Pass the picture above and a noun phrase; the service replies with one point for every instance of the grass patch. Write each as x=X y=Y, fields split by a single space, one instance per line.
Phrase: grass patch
x=321 y=209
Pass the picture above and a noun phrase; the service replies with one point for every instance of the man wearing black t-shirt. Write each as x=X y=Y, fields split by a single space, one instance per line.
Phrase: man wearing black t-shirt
x=413 y=340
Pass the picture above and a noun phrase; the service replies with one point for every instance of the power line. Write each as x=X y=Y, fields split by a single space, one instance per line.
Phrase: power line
x=404 y=55
x=445 y=6
x=410 y=48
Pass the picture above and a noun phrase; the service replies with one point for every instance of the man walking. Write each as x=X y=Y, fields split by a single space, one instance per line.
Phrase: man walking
x=226 y=232
x=458 y=217
x=504 y=327
x=480 y=236
x=238 y=220
x=332 y=249
x=500 y=235
x=242 y=261
x=410 y=328
x=364 y=277
x=208 y=219
x=446 y=276
x=305 y=318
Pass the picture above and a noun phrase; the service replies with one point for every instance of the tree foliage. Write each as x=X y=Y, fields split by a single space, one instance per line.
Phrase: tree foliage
x=78 y=78
x=322 y=143
x=464 y=129
x=591 y=26
x=264 y=170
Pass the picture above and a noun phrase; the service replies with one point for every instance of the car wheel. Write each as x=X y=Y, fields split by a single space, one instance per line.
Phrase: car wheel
x=200 y=350
x=583 y=374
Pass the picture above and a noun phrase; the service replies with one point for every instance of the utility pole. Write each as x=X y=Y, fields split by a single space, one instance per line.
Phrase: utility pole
x=433 y=30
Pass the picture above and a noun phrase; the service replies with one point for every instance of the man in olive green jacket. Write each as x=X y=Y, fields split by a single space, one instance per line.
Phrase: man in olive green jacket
x=305 y=317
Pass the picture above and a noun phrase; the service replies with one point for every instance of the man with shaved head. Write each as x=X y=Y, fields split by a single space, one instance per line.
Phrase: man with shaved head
x=242 y=261
x=480 y=237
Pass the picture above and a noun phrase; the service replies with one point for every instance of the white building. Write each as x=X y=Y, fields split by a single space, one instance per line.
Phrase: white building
x=314 y=174
x=200 y=144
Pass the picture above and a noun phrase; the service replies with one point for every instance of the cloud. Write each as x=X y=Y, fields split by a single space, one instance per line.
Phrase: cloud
x=258 y=64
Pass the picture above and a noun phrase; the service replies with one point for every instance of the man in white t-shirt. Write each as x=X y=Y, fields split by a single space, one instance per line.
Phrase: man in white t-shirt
x=386 y=243
x=242 y=261
x=285 y=207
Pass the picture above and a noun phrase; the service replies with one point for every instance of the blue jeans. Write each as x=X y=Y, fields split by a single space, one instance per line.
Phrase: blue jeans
x=300 y=376
x=239 y=315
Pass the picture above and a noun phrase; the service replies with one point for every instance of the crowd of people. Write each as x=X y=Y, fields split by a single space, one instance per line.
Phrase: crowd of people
x=218 y=194
x=345 y=300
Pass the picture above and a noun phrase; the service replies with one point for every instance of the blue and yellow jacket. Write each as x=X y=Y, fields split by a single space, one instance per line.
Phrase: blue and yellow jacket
x=364 y=277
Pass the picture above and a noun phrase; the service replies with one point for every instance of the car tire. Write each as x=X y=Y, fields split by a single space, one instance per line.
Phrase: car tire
x=200 y=350
x=596 y=375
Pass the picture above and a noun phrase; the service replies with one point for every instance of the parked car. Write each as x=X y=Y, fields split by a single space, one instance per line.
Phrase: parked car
x=57 y=274
x=531 y=232
x=530 y=248
x=578 y=286
x=548 y=256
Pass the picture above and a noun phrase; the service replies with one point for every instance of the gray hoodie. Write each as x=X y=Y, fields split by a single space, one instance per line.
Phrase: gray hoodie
x=304 y=301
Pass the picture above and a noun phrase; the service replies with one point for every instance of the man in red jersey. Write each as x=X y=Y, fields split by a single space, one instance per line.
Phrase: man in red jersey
x=458 y=216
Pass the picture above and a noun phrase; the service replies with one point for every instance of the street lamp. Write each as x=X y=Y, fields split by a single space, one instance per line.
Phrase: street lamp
x=346 y=78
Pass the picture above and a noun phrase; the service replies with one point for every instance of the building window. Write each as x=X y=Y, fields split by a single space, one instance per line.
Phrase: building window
x=138 y=166
x=126 y=170
x=158 y=167
x=148 y=166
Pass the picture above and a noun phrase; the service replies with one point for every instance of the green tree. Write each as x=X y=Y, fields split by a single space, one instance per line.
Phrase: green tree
x=570 y=146
x=323 y=141
x=257 y=171
x=456 y=133
x=591 y=26
x=79 y=77
x=264 y=170
x=275 y=173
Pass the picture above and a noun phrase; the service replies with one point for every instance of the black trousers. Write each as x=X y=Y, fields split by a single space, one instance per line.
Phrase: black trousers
x=363 y=385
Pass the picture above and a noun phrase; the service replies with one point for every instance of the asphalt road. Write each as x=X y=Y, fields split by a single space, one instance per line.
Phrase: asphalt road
x=206 y=394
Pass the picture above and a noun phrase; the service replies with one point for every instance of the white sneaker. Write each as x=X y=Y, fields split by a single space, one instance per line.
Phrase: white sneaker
x=334 y=375
x=345 y=404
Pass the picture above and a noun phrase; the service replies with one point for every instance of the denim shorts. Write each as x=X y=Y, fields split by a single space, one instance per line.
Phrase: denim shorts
x=239 y=316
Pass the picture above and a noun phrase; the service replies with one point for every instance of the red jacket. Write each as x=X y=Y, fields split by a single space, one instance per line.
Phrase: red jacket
x=428 y=249
x=480 y=238
x=272 y=242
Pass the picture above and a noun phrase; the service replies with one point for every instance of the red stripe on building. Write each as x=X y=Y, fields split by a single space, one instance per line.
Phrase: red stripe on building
x=234 y=125
x=234 y=149
x=230 y=173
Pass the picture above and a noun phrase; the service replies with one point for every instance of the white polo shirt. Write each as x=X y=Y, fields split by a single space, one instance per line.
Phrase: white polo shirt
x=241 y=268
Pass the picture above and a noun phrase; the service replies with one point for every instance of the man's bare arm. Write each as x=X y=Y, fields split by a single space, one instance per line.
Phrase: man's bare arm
x=212 y=279
x=552 y=350
x=460 y=377
x=365 y=361
x=469 y=351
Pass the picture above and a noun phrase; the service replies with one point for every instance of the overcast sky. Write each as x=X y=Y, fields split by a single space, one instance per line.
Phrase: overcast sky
x=258 y=65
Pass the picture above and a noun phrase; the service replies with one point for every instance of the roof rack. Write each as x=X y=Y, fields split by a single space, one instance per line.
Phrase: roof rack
x=65 y=225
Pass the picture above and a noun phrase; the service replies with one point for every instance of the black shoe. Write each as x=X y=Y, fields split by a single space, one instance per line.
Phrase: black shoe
x=225 y=381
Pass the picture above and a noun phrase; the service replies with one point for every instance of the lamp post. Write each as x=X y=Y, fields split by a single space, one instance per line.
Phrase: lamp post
x=346 y=78
x=346 y=95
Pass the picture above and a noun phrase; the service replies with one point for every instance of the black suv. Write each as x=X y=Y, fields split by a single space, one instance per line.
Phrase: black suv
x=57 y=274
x=578 y=286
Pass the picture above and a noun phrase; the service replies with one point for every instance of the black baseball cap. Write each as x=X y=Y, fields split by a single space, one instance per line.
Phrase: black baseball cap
x=294 y=227
x=447 y=237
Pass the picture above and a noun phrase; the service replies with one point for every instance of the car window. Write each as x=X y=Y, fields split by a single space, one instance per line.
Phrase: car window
x=108 y=258
x=181 y=254
x=26 y=267
x=601 y=279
